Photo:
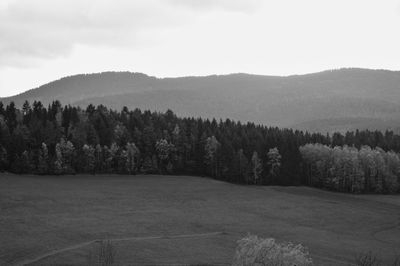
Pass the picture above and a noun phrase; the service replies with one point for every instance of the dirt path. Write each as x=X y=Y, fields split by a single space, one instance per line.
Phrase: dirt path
x=83 y=244
x=80 y=245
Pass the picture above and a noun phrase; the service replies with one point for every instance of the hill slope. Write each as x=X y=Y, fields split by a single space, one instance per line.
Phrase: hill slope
x=324 y=101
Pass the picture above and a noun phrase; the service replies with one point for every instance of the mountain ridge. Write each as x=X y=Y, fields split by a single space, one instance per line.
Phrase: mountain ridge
x=287 y=101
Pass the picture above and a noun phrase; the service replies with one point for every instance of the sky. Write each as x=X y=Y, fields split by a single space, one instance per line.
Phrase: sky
x=44 y=40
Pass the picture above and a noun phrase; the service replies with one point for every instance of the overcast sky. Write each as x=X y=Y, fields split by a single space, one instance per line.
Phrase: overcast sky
x=43 y=40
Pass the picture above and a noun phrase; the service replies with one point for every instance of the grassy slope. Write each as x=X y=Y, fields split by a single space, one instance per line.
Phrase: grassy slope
x=39 y=214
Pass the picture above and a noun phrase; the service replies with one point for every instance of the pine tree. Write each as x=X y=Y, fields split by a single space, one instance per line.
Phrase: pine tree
x=99 y=159
x=149 y=166
x=89 y=159
x=3 y=159
x=43 y=160
x=26 y=111
x=242 y=164
x=26 y=164
x=108 y=159
x=274 y=163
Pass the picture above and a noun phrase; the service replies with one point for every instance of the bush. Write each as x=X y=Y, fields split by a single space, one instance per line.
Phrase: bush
x=367 y=259
x=371 y=259
x=256 y=251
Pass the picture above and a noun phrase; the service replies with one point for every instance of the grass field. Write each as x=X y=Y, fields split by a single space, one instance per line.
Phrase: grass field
x=184 y=220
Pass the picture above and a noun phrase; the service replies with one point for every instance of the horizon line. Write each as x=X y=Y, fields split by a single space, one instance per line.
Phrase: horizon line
x=199 y=76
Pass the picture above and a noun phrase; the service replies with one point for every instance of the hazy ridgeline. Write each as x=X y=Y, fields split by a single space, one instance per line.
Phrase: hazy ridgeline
x=67 y=140
x=329 y=101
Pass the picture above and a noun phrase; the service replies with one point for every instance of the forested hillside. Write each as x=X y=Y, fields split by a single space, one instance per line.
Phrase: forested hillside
x=68 y=140
x=329 y=101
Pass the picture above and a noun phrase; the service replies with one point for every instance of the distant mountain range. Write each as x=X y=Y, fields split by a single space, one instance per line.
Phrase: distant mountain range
x=327 y=101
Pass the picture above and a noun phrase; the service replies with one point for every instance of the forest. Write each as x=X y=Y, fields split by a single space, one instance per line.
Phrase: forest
x=56 y=140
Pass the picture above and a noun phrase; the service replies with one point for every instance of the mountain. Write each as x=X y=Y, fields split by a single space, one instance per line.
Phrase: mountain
x=334 y=100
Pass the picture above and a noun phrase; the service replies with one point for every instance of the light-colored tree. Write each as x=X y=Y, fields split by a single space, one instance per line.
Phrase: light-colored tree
x=164 y=152
x=64 y=157
x=176 y=133
x=58 y=162
x=122 y=160
x=113 y=154
x=256 y=167
x=132 y=153
x=164 y=149
x=211 y=148
x=352 y=170
x=43 y=160
x=121 y=135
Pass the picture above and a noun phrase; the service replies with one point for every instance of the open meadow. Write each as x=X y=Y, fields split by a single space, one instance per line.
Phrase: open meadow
x=48 y=220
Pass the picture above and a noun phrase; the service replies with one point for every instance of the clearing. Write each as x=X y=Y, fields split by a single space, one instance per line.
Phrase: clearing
x=47 y=220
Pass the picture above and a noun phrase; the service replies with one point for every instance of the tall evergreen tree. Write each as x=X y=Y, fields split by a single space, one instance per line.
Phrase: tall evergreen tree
x=274 y=163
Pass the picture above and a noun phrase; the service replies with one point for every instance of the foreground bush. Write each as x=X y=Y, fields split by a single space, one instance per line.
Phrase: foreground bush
x=256 y=251
x=371 y=259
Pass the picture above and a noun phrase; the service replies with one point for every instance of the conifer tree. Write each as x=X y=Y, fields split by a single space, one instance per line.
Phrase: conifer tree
x=242 y=164
x=3 y=159
x=131 y=157
x=274 y=163
x=89 y=159
x=99 y=159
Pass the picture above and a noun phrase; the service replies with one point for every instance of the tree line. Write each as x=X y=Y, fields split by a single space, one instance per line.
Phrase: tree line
x=349 y=169
x=66 y=140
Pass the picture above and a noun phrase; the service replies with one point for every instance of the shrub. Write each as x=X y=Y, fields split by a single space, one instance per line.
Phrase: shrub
x=371 y=259
x=256 y=251
x=367 y=259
